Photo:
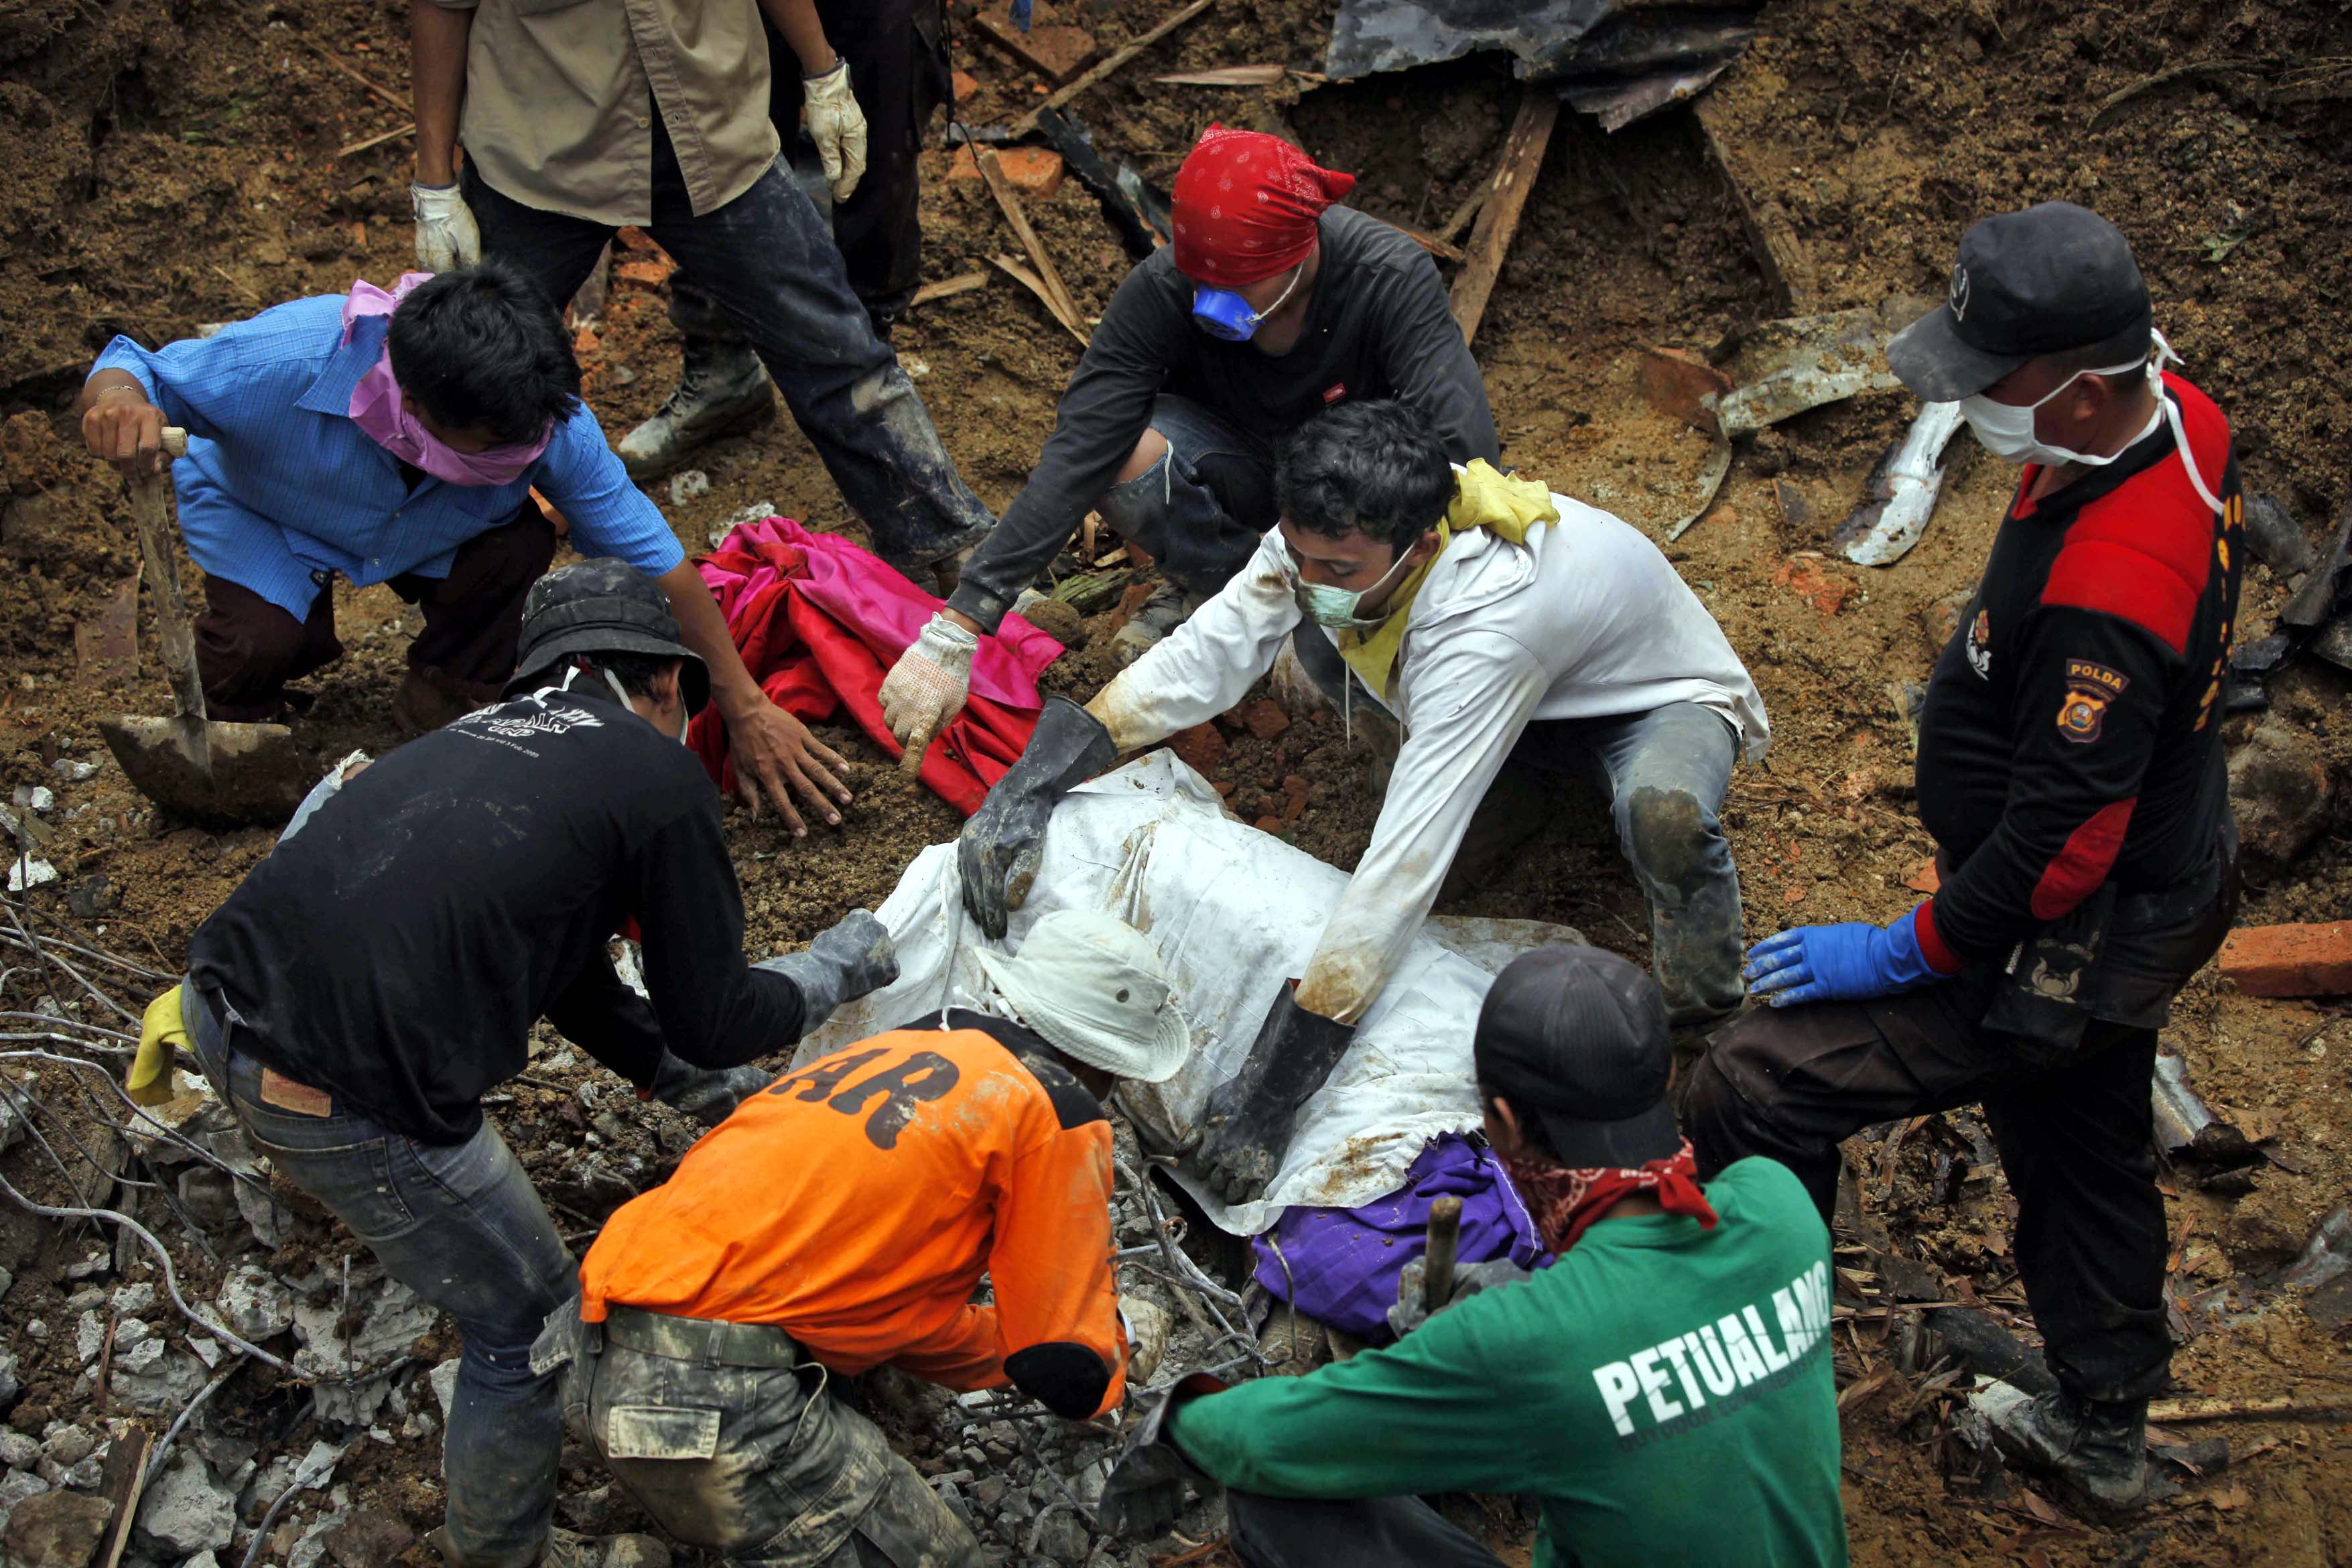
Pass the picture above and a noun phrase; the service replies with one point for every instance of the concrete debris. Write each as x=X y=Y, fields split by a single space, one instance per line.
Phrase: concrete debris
x=55 y=1530
x=129 y=1300
x=387 y=1317
x=210 y=1195
x=17 y=1486
x=2280 y=789
x=89 y=1336
x=201 y=1560
x=444 y=1385
x=66 y=1444
x=154 y=1377
x=636 y=1552
x=74 y=771
x=185 y=1510
x=255 y=1305
x=9 y=1386
x=36 y=797
x=19 y=1450
x=2325 y=1270
x=685 y=486
x=757 y=512
x=26 y=872
x=310 y=1548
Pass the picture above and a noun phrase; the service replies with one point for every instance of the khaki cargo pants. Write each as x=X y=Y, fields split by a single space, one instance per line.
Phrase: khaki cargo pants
x=754 y=1462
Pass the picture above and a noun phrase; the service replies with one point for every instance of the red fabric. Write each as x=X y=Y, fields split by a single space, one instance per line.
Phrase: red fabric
x=1245 y=205
x=2076 y=870
x=1932 y=946
x=819 y=622
x=2144 y=550
x=1564 y=1201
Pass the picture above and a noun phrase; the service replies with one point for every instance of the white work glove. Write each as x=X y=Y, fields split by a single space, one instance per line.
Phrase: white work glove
x=837 y=126
x=445 y=234
x=926 y=688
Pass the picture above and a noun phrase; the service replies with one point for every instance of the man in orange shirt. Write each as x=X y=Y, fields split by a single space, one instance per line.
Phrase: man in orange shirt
x=841 y=1220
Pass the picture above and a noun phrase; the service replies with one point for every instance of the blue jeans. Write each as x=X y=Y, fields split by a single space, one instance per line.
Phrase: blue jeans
x=1200 y=511
x=767 y=259
x=460 y=1225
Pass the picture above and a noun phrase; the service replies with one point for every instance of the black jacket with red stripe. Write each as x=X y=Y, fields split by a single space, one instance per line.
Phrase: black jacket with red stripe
x=2072 y=734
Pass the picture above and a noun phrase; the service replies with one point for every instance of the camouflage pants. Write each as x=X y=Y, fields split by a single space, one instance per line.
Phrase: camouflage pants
x=756 y=1464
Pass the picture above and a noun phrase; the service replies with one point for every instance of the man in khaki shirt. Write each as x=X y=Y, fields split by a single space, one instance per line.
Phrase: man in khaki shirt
x=581 y=116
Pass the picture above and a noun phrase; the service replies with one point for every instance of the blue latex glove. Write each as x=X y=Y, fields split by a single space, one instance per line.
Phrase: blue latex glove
x=1849 y=962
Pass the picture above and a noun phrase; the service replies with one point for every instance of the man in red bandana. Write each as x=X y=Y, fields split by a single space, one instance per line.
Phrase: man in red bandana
x=1272 y=306
x=1663 y=1389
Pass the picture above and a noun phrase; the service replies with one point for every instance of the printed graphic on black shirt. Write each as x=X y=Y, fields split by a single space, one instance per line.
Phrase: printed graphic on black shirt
x=510 y=723
x=1980 y=647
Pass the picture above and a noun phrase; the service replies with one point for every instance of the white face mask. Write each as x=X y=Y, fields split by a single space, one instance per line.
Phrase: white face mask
x=2006 y=431
x=1336 y=608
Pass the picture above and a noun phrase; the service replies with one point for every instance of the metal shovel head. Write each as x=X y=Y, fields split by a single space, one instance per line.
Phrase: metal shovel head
x=257 y=774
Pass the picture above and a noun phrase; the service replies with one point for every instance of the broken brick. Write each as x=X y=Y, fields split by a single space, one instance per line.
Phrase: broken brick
x=1924 y=880
x=636 y=241
x=1131 y=599
x=2290 y=960
x=1032 y=172
x=1825 y=591
x=1673 y=383
x=1200 y=748
x=583 y=343
x=1264 y=718
x=650 y=273
x=1795 y=895
x=965 y=84
x=1268 y=825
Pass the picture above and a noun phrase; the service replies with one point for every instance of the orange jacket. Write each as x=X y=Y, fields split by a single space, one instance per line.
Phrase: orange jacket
x=856 y=1202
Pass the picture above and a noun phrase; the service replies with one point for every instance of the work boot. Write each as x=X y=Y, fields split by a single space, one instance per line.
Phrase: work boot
x=1159 y=614
x=721 y=390
x=565 y=1549
x=430 y=698
x=2098 y=1449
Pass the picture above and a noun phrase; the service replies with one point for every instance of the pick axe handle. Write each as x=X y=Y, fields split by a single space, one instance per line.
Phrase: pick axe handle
x=151 y=512
x=1438 y=1255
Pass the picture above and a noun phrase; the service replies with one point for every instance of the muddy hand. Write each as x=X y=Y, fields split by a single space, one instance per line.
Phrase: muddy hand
x=1002 y=846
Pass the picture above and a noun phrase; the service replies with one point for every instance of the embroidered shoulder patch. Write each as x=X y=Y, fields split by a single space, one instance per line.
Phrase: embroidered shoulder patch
x=2090 y=686
x=2083 y=673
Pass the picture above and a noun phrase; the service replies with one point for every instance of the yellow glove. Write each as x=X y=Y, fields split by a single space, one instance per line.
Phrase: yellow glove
x=160 y=1033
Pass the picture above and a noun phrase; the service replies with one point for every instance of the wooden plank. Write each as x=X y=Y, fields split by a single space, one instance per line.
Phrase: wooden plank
x=1780 y=256
x=120 y=1482
x=1057 y=298
x=948 y=288
x=1507 y=199
x=1226 y=75
x=1053 y=51
x=1440 y=249
x=1110 y=63
x=1036 y=285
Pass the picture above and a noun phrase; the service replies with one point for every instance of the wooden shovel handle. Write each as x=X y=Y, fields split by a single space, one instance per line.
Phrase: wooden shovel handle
x=151 y=512
x=1437 y=1256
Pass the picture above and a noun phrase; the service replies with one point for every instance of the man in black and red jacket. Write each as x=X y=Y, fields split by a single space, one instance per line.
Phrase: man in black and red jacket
x=2070 y=772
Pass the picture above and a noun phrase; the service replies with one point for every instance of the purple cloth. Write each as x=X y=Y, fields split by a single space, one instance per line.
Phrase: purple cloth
x=1344 y=1263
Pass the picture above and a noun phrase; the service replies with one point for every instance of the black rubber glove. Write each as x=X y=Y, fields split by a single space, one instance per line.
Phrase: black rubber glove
x=1144 y=1493
x=710 y=1095
x=1469 y=1278
x=847 y=960
x=1250 y=1117
x=1001 y=845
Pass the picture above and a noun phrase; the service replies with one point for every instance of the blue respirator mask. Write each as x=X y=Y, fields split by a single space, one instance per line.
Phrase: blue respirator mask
x=1223 y=313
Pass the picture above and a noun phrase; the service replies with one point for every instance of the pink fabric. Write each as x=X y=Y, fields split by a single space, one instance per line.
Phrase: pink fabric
x=885 y=610
x=376 y=407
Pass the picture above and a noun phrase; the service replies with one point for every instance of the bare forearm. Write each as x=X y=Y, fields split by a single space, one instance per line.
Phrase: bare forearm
x=803 y=34
x=104 y=381
x=437 y=37
x=703 y=629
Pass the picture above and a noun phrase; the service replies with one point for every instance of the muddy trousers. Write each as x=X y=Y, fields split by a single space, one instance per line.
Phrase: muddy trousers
x=247 y=649
x=2075 y=1135
x=460 y=1225
x=768 y=260
x=741 y=1456
x=1371 y=1532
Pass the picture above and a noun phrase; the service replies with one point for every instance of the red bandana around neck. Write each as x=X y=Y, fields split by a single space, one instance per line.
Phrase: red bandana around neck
x=1564 y=1201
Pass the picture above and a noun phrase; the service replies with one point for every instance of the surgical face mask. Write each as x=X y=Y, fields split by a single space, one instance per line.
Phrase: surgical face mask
x=1223 y=313
x=2007 y=430
x=1336 y=608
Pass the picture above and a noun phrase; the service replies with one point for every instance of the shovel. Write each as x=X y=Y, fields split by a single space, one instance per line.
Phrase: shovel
x=224 y=775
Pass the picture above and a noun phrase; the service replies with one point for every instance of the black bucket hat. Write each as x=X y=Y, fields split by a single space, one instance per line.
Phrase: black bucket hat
x=2046 y=280
x=602 y=606
x=1575 y=1039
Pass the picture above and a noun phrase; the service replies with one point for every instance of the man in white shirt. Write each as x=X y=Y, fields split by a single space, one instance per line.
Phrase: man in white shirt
x=1498 y=624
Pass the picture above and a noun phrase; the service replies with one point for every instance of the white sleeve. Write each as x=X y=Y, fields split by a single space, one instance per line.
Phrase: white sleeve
x=1203 y=668
x=1456 y=745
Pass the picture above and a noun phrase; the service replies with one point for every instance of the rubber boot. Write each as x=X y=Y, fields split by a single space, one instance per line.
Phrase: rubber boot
x=2095 y=1450
x=722 y=388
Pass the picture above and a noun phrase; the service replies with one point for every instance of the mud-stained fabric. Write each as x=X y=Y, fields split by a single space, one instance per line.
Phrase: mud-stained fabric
x=761 y=1465
x=855 y=1203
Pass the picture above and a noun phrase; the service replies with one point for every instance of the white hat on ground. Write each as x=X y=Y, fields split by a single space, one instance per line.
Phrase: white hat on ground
x=1093 y=987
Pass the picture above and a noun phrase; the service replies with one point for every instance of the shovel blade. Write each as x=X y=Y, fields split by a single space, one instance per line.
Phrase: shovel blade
x=257 y=774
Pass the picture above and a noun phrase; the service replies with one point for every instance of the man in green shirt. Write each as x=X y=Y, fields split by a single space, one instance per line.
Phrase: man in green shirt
x=1664 y=1389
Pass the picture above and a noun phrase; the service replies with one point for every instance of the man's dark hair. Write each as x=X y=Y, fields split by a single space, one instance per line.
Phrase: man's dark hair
x=1376 y=468
x=637 y=672
x=482 y=348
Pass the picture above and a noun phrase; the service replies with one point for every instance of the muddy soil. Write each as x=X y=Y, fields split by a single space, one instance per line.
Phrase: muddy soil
x=163 y=165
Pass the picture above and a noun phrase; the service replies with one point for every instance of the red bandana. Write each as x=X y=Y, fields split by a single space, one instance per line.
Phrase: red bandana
x=1245 y=205
x=1564 y=1201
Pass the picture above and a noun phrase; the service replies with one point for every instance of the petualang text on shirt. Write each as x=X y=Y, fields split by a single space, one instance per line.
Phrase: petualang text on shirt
x=1686 y=1381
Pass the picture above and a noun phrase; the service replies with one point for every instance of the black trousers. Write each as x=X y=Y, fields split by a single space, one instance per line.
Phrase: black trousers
x=1371 y=1532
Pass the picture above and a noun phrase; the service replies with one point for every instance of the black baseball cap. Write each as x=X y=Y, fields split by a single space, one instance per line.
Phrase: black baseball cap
x=2046 y=280
x=603 y=606
x=1575 y=1039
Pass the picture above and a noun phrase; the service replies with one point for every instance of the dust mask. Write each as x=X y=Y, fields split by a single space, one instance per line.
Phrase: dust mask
x=2007 y=431
x=1336 y=608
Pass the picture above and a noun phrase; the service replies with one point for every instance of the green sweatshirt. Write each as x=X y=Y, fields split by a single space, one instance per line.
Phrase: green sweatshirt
x=1664 y=1391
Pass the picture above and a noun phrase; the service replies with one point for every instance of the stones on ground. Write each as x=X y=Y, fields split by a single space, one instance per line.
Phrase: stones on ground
x=636 y=1552
x=90 y=1335
x=210 y=1195
x=16 y=1487
x=2279 y=787
x=255 y=1304
x=19 y=1450
x=186 y=1511
x=151 y=1375
x=387 y=1319
x=9 y=1386
x=55 y=1530
x=367 y=1537
x=129 y=1300
x=68 y=1444
x=444 y=1385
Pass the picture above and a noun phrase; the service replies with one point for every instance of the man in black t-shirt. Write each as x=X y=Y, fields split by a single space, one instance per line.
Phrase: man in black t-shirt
x=1271 y=306
x=382 y=969
x=2071 y=771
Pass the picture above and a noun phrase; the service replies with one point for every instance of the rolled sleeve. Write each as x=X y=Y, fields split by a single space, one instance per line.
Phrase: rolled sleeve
x=609 y=515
